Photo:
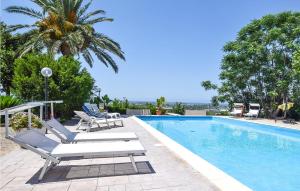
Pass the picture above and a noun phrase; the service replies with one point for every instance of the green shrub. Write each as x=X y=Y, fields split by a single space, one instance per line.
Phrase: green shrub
x=210 y=113
x=120 y=110
x=9 y=101
x=152 y=108
x=160 y=102
x=20 y=121
x=217 y=112
x=224 y=113
x=178 y=108
x=69 y=82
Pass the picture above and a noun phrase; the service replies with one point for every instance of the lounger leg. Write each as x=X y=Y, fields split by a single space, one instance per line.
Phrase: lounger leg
x=133 y=163
x=79 y=124
x=44 y=169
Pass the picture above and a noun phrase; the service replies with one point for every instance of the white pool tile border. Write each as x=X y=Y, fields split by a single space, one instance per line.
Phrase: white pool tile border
x=219 y=178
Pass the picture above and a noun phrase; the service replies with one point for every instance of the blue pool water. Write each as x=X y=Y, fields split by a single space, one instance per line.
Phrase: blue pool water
x=263 y=157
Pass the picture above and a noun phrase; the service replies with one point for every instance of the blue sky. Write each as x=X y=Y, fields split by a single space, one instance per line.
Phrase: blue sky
x=170 y=45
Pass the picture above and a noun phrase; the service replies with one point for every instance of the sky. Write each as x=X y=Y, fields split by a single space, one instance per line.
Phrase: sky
x=170 y=46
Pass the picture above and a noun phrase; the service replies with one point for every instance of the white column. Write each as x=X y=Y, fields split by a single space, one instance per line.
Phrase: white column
x=52 y=111
x=41 y=112
x=29 y=118
x=6 y=123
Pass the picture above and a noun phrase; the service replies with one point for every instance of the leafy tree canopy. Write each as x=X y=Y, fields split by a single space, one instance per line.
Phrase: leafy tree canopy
x=9 y=43
x=258 y=65
x=69 y=81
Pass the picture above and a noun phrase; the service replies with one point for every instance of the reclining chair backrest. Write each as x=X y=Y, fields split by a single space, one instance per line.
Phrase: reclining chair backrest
x=254 y=108
x=57 y=128
x=36 y=140
x=97 y=111
x=87 y=107
x=95 y=108
x=83 y=116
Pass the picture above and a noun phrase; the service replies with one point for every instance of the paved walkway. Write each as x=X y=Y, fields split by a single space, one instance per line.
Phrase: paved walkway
x=6 y=145
x=164 y=172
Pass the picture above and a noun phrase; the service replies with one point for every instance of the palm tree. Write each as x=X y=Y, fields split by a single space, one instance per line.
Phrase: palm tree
x=65 y=26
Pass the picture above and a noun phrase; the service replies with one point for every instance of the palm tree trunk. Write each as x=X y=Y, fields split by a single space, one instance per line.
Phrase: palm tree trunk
x=65 y=50
x=286 y=105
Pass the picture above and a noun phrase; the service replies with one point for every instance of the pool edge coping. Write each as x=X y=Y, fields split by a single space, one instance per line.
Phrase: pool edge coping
x=233 y=118
x=258 y=122
x=219 y=178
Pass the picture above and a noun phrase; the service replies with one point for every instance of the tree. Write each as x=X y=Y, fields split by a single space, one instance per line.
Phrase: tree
x=178 y=108
x=9 y=44
x=208 y=85
x=106 y=100
x=215 y=102
x=296 y=87
x=66 y=27
x=257 y=65
x=69 y=82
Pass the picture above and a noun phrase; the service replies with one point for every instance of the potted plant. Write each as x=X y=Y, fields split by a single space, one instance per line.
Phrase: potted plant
x=19 y=122
x=160 y=102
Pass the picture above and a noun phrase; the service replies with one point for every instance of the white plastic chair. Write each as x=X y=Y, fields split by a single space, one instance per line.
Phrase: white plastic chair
x=93 y=120
x=68 y=136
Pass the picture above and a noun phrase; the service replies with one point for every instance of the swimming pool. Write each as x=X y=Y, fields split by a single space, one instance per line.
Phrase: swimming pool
x=263 y=157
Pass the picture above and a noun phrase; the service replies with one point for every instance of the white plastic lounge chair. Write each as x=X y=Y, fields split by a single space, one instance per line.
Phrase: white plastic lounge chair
x=93 y=120
x=238 y=109
x=97 y=112
x=67 y=136
x=54 y=152
x=253 y=110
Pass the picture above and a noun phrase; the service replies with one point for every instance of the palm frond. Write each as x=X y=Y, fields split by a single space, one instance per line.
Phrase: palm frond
x=108 y=44
x=12 y=28
x=110 y=61
x=88 y=57
x=59 y=8
x=84 y=9
x=66 y=6
x=97 y=52
x=73 y=40
x=97 y=20
x=25 y=11
x=77 y=4
x=42 y=3
x=87 y=16
x=102 y=36
x=34 y=40
x=105 y=58
x=54 y=47
x=85 y=29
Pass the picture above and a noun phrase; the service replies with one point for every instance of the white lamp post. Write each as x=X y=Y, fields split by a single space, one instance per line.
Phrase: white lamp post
x=46 y=72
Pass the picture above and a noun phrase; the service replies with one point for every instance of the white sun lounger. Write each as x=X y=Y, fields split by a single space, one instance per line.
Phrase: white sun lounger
x=97 y=112
x=93 y=120
x=67 y=136
x=238 y=109
x=253 y=110
x=54 y=152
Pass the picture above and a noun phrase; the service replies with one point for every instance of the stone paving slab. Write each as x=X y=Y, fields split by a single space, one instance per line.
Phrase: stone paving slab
x=19 y=170
x=6 y=145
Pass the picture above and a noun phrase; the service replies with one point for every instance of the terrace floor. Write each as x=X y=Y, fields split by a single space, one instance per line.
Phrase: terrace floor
x=164 y=171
